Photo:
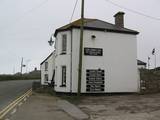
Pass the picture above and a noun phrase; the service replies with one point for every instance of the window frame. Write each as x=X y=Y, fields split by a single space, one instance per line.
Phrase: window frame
x=46 y=66
x=64 y=44
x=63 y=76
x=46 y=77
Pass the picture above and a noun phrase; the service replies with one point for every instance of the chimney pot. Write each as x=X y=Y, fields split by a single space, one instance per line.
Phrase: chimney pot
x=119 y=19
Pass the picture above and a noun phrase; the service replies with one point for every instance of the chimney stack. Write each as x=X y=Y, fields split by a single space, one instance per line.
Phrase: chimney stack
x=119 y=19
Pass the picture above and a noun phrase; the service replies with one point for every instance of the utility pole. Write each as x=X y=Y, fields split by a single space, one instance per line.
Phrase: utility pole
x=149 y=63
x=155 y=62
x=81 y=50
x=154 y=53
x=21 y=65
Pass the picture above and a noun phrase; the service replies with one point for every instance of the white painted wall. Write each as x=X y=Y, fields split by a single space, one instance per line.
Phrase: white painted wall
x=62 y=60
x=118 y=60
x=51 y=67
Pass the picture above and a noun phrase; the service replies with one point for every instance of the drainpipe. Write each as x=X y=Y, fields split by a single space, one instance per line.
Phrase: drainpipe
x=71 y=62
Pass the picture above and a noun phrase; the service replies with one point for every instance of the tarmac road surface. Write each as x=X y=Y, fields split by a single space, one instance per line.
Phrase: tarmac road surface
x=10 y=90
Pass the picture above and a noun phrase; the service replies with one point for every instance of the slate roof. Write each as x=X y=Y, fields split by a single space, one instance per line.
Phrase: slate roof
x=95 y=24
x=47 y=58
x=139 y=62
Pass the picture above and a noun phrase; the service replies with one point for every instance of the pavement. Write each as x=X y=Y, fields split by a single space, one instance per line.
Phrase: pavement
x=113 y=107
x=10 y=90
x=72 y=110
x=41 y=107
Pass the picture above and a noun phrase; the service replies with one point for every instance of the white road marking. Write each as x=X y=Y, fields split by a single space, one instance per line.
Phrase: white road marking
x=13 y=111
x=20 y=104
x=25 y=99
x=12 y=105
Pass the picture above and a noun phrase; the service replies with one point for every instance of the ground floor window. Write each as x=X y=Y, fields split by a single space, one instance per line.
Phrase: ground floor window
x=46 y=77
x=63 y=76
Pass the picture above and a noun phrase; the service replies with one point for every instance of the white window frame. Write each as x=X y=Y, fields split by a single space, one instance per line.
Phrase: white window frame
x=46 y=66
x=46 y=77
x=64 y=44
x=64 y=75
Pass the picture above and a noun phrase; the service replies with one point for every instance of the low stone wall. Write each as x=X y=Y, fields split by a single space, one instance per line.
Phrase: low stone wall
x=150 y=81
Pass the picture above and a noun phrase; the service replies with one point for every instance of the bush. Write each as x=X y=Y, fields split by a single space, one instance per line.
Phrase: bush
x=19 y=77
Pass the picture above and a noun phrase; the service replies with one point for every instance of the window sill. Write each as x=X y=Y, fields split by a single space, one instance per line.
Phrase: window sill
x=62 y=86
x=63 y=53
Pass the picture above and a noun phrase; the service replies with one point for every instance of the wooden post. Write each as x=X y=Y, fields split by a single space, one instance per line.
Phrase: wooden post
x=148 y=63
x=155 y=62
x=81 y=50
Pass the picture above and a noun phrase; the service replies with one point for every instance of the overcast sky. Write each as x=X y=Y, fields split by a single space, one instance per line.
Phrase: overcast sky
x=26 y=26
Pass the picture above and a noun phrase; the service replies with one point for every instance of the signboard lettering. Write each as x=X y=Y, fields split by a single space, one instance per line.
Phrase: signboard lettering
x=93 y=51
x=95 y=80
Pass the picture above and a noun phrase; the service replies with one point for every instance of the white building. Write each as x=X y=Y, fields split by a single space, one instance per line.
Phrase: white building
x=47 y=69
x=109 y=57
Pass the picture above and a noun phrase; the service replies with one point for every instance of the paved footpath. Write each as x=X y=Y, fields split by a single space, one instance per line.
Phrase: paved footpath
x=127 y=107
x=72 y=110
x=43 y=107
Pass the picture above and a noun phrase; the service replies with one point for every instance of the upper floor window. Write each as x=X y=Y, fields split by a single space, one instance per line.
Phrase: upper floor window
x=46 y=66
x=46 y=77
x=64 y=44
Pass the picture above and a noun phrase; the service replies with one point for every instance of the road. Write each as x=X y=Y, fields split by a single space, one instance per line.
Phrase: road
x=10 y=90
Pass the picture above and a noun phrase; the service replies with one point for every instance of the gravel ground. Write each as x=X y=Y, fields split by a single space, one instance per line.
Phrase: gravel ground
x=122 y=107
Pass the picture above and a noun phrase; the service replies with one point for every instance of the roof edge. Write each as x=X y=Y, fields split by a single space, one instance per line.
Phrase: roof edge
x=47 y=58
x=139 y=62
x=98 y=29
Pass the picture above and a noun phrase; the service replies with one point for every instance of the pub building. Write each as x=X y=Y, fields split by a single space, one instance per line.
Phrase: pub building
x=109 y=60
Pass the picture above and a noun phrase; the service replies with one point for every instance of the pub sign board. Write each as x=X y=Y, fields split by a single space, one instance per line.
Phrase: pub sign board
x=95 y=80
x=93 y=51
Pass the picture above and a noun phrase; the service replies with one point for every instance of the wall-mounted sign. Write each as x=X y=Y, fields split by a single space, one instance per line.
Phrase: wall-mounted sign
x=95 y=80
x=93 y=51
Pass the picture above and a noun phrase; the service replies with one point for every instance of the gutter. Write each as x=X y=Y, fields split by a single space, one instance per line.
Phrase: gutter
x=99 y=29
